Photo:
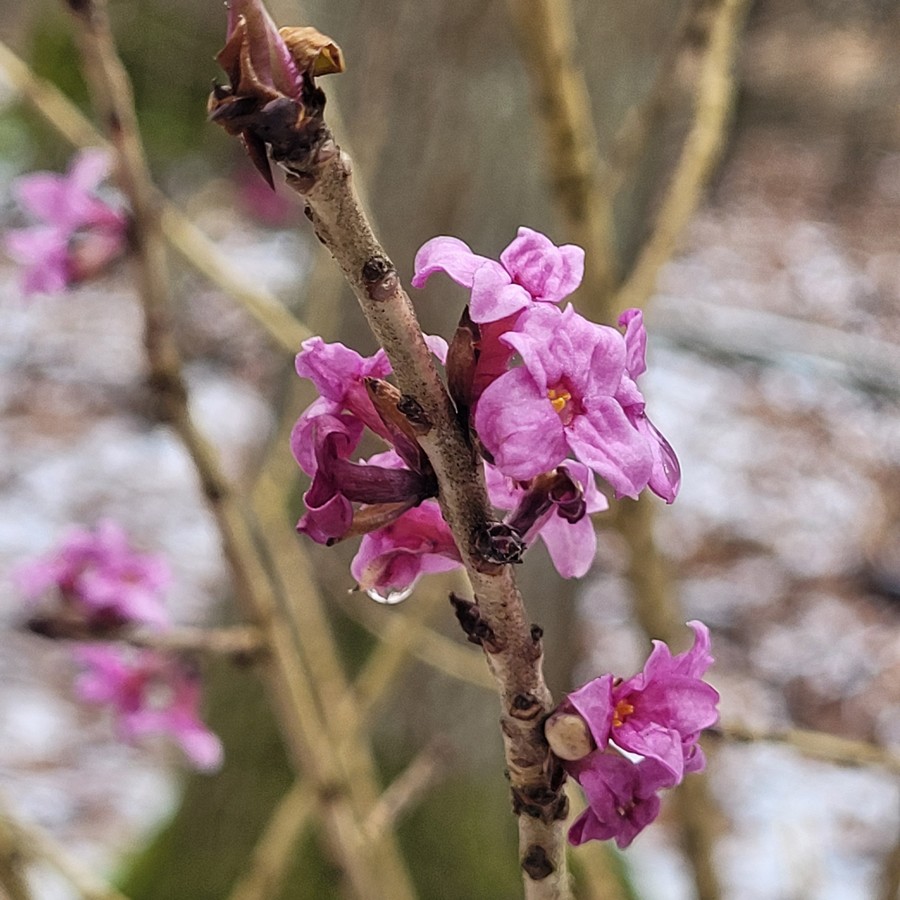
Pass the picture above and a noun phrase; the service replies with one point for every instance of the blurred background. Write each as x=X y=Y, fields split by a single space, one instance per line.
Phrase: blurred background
x=774 y=371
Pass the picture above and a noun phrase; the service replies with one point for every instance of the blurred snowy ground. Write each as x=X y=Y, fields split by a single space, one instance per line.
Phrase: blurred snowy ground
x=784 y=536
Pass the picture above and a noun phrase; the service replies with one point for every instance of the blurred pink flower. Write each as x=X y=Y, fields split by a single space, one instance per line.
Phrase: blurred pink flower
x=99 y=576
x=80 y=235
x=149 y=693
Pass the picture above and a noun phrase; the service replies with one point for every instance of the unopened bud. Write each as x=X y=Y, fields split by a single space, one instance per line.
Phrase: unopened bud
x=568 y=736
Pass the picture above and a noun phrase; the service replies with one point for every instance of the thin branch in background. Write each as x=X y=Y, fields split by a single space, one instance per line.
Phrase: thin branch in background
x=243 y=643
x=292 y=693
x=283 y=328
x=458 y=661
x=408 y=788
x=31 y=843
x=13 y=877
x=545 y=32
x=275 y=848
x=641 y=121
x=713 y=106
x=819 y=744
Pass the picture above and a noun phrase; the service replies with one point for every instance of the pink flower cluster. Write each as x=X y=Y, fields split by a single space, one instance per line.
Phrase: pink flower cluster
x=654 y=719
x=95 y=583
x=80 y=234
x=100 y=579
x=551 y=398
x=149 y=694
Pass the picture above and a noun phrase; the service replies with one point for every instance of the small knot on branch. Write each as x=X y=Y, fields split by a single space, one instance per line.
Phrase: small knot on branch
x=536 y=863
x=543 y=804
x=525 y=707
x=499 y=544
x=380 y=278
x=475 y=627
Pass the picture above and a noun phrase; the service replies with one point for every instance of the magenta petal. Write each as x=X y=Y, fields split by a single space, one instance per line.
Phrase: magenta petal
x=572 y=546
x=202 y=748
x=333 y=368
x=549 y=273
x=42 y=194
x=391 y=559
x=90 y=167
x=519 y=427
x=632 y=320
x=449 y=255
x=665 y=479
x=269 y=55
x=621 y=797
x=593 y=702
x=605 y=440
x=493 y=296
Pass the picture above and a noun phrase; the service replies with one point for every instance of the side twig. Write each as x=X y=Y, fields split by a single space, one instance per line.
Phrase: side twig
x=28 y=842
x=545 y=32
x=701 y=151
x=819 y=744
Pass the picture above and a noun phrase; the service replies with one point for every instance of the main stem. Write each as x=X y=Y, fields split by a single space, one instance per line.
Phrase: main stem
x=514 y=651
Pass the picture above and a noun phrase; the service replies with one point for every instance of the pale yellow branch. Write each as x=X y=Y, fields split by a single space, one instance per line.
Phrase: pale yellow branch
x=274 y=850
x=545 y=32
x=31 y=842
x=702 y=149
x=407 y=789
x=819 y=744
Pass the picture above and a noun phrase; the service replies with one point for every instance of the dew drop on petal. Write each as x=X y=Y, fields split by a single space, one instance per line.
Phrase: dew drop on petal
x=391 y=598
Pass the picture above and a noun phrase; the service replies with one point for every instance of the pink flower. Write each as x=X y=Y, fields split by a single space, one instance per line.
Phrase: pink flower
x=340 y=374
x=531 y=270
x=81 y=234
x=149 y=693
x=658 y=713
x=621 y=795
x=559 y=517
x=392 y=559
x=338 y=483
x=98 y=575
x=563 y=400
x=657 y=717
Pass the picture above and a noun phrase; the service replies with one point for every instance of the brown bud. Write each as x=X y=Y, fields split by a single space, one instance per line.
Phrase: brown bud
x=313 y=51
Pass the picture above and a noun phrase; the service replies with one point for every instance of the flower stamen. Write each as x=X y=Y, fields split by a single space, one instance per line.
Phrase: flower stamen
x=622 y=711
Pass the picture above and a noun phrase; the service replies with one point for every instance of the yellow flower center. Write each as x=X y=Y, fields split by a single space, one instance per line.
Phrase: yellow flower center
x=622 y=711
x=559 y=399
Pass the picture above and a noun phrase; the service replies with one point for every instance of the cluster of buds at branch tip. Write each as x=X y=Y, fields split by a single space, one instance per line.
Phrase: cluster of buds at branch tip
x=272 y=99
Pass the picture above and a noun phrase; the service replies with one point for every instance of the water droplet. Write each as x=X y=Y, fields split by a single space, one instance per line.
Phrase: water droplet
x=391 y=598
